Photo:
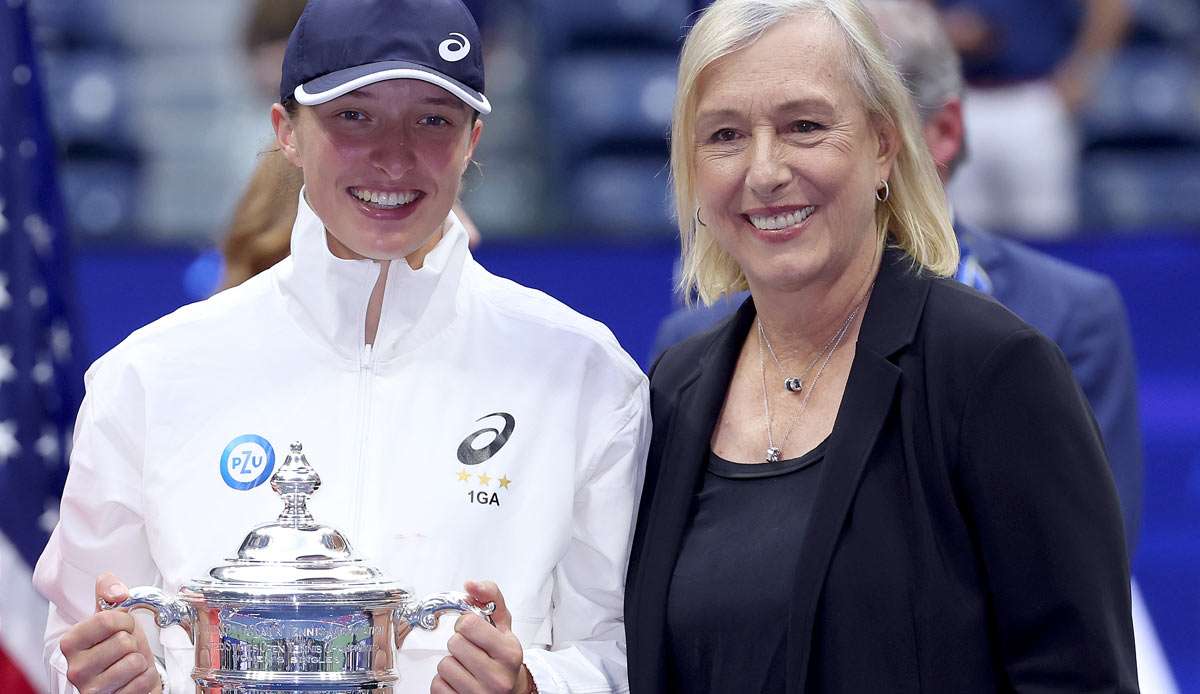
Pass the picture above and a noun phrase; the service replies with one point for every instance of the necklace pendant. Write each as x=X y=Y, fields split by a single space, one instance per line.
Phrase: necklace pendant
x=793 y=384
x=773 y=454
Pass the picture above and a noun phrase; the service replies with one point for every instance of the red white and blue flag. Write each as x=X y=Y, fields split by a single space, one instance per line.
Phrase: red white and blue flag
x=40 y=382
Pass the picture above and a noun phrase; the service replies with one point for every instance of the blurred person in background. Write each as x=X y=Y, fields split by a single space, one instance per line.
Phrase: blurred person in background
x=1030 y=66
x=1080 y=310
x=389 y=351
x=264 y=40
x=872 y=477
x=260 y=234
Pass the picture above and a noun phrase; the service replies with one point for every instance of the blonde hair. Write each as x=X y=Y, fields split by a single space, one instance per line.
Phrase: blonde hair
x=260 y=233
x=914 y=216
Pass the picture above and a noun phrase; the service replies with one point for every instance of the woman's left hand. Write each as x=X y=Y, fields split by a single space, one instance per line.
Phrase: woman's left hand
x=483 y=657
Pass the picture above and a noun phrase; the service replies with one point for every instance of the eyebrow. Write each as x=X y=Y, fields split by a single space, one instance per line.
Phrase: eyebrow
x=806 y=103
x=443 y=101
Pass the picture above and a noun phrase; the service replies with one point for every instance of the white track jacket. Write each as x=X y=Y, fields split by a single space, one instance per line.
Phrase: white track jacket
x=489 y=433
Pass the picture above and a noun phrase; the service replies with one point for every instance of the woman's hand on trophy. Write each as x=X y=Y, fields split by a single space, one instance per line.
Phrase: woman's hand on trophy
x=108 y=652
x=484 y=657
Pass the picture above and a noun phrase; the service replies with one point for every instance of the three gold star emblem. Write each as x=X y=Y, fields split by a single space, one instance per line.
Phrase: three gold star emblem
x=484 y=478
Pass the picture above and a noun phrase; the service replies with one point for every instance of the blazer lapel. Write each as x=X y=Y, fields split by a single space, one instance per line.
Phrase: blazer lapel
x=889 y=324
x=688 y=437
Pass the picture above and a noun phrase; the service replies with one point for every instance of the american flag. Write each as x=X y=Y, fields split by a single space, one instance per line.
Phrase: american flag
x=40 y=381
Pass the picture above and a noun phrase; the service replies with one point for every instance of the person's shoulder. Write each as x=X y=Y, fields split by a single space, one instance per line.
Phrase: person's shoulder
x=1050 y=277
x=967 y=320
x=687 y=321
x=194 y=327
x=545 y=320
x=682 y=360
x=964 y=336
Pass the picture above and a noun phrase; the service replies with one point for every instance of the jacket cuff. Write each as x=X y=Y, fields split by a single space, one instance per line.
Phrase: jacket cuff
x=543 y=675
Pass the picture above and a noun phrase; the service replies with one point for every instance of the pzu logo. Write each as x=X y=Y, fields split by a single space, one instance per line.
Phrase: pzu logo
x=247 y=462
x=468 y=454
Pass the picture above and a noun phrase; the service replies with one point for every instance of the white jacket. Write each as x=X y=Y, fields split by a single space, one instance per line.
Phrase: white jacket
x=152 y=496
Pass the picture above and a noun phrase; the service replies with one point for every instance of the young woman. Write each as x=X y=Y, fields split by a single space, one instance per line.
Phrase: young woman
x=464 y=427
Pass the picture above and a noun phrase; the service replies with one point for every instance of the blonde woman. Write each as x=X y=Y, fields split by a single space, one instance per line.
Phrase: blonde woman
x=871 y=478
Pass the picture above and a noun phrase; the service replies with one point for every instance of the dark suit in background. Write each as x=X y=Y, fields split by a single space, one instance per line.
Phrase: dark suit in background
x=1080 y=310
x=966 y=535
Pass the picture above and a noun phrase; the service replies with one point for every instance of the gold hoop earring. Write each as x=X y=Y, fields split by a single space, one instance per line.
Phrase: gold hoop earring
x=887 y=192
x=699 y=221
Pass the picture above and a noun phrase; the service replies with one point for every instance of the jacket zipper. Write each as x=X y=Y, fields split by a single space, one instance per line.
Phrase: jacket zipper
x=365 y=382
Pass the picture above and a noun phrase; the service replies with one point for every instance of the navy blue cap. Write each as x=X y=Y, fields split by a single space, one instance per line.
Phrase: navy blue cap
x=338 y=46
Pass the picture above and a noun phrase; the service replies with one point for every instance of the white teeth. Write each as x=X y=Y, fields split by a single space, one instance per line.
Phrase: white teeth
x=384 y=199
x=782 y=221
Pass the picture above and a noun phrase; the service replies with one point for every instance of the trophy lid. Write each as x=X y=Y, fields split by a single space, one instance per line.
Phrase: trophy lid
x=295 y=554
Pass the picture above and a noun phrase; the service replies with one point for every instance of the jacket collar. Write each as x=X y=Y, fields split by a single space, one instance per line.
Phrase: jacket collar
x=328 y=295
x=897 y=301
x=889 y=325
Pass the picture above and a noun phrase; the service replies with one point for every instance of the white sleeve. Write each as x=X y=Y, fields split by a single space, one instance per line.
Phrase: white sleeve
x=100 y=526
x=588 y=650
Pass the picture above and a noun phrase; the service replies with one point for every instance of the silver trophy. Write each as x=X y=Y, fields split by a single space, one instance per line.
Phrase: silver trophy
x=296 y=610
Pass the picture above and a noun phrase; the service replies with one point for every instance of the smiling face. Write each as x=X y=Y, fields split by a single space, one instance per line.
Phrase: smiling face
x=382 y=165
x=787 y=159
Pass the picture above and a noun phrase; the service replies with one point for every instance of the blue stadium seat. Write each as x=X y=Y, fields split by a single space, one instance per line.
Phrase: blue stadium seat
x=89 y=96
x=99 y=197
x=566 y=24
x=1148 y=94
x=1166 y=21
x=1131 y=189
x=621 y=197
x=611 y=99
x=75 y=24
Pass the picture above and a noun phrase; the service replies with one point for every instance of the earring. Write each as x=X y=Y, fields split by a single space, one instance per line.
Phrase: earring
x=698 y=220
x=887 y=191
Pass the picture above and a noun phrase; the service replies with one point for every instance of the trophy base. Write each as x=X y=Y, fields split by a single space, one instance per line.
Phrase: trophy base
x=211 y=687
x=383 y=689
x=295 y=683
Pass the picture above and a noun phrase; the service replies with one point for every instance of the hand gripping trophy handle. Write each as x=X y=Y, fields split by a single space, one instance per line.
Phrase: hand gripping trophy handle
x=425 y=613
x=167 y=609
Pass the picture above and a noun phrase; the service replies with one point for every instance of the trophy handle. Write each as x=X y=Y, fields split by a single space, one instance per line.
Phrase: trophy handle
x=425 y=613
x=167 y=608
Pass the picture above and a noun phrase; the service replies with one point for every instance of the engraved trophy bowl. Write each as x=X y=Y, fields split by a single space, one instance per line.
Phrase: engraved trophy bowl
x=296 y=610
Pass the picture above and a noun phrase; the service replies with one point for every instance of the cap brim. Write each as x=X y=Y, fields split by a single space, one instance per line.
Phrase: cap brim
x=331 y=86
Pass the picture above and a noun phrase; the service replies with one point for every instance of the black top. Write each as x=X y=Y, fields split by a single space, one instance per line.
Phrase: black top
x=729 y=597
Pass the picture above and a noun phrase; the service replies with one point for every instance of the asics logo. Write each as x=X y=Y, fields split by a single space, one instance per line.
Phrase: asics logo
x=468 y=454
x=454 y=48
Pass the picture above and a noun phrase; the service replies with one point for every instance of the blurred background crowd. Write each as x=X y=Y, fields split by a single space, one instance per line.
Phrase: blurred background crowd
x=160 y=109
x=1083 y=121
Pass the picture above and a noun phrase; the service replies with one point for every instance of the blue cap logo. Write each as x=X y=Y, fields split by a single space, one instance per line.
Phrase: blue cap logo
x=247 y=462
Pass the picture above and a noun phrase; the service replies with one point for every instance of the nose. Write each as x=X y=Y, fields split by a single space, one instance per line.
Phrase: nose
x=392 y=154
x=768 y=173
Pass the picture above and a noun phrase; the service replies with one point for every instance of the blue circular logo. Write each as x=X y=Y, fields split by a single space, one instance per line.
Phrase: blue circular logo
x=247 y=461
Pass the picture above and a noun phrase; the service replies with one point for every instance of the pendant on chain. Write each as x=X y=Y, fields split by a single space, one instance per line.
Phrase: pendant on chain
x=793 y=384
x=773 y=454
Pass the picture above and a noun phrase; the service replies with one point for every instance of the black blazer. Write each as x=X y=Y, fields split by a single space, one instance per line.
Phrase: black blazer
x=966 y=535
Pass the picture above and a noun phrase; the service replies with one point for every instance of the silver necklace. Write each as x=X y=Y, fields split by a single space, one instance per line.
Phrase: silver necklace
x=794 y=384
x=775 y=452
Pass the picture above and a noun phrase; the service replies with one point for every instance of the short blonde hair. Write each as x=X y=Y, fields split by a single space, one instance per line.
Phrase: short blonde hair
x=914 y=216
